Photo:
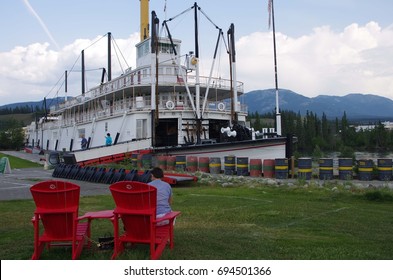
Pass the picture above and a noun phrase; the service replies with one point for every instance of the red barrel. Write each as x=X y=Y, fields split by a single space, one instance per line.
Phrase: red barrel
x=204 y=164
x=255 y=167
x=170 y=162
x=161 y=160
x=268 y=168
x=192 y=163
x=140 y=163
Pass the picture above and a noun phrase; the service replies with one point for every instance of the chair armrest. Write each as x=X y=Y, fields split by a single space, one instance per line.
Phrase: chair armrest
x=104 y=214
x=169 y=216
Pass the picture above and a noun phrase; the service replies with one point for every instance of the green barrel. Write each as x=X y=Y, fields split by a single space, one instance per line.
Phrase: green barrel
x=170 y=162
x=281 y=168
x=242 y=166
x=345 y=168
x=255 y=167
x=304 y=168
x=268 y=168
x=215 y=165
x=161 y=160
x=204 y=164
x=147 y=161
x=365 y=169
x=384 y=169
x=229 y=165
x=325 y=168
x=192 y=163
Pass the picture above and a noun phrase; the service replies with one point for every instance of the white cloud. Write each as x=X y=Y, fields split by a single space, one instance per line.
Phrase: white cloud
x=33 y=72
x=358 y=59
x=355 y=60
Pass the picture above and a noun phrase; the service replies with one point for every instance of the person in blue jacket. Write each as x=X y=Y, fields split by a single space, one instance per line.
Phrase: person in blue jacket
x=108 y=140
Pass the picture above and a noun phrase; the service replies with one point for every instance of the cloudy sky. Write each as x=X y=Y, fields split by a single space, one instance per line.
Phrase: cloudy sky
x=332 y=47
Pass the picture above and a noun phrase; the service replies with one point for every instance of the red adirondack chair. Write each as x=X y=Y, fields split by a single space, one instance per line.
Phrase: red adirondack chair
x=136 y=205
x=57 y=205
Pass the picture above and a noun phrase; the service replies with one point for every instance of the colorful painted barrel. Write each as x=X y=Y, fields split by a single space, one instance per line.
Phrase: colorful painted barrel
x=181 y=163
x=365 y=169
x=139 y=161
x=147 y=161
x=229 y=165
x=345 y=168
x=304 y=168
x=281 y=168
x=134 y=160
x=204 y=164
x=170 y=163
x=192 y=163
x=255 y=167
x=268 y=168
x=161 y=162
x=325 y=168
x=384 y=169
x=242 y=166
x=215 y=165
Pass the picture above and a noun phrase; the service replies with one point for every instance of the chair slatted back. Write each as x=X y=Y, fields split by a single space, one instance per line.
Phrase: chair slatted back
x=57 y=204
x=136 y=204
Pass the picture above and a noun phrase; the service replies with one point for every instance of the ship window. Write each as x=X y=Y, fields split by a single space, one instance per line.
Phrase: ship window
x=141 y=128
x=106 y=127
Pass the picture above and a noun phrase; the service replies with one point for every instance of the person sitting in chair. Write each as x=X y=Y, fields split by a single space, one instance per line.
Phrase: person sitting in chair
x=164 y=193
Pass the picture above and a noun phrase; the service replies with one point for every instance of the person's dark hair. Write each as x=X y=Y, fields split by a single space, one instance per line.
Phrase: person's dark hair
x=108 y=134
x=157 y=172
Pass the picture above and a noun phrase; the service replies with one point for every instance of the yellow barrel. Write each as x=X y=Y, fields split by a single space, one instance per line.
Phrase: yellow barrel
x=325 y=168
x=345 y=168
x=365 y=169
x=304 y=168
x=385 y=169
x=215 y=165
x=229 y=165
x=242 y=166
x=281 y=168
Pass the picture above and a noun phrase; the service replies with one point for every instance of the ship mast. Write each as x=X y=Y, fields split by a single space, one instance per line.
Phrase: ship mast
x=278 y=115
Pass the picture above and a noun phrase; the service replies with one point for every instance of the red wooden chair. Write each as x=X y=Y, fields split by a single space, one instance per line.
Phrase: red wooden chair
x=136 y=205
x=57 y=205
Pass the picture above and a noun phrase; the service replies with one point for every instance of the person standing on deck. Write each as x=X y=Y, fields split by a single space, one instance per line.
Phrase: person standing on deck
x=108 y=139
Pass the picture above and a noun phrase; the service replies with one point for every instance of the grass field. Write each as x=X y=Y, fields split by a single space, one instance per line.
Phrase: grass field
x=248 y=221
x=16 y=162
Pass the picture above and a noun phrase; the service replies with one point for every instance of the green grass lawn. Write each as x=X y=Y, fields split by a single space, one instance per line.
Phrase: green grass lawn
x=16 y=162
x=250 y=221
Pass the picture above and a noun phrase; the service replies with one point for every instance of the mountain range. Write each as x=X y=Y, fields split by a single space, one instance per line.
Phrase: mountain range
x=356 y=106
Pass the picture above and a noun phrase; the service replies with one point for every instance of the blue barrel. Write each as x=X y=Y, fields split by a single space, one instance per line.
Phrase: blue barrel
x=134 y=160
x=281 y=168
x=181 y=163
x=229 y=165
x=345 y=168
x=365 y=169
x=384 y=169
x=304 y=168
x=242 y=166
x=215 y=165
x=325 y=168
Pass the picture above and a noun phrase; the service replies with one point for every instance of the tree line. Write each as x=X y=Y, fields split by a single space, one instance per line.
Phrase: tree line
x=316 y=135
x=20 y=110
